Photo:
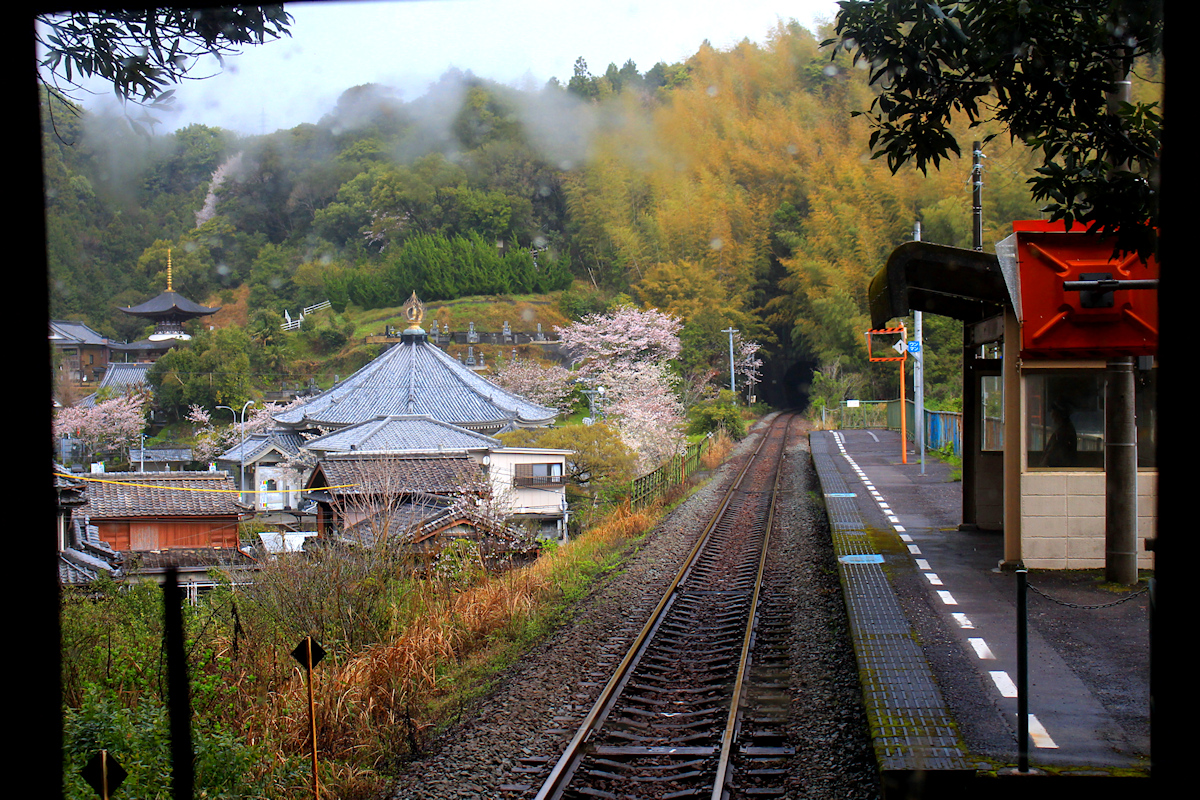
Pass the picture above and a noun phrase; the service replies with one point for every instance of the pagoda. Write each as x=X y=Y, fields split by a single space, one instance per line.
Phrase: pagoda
x=169 y=311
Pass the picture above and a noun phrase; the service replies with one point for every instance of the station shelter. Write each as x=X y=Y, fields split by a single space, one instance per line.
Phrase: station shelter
x=1047 y=320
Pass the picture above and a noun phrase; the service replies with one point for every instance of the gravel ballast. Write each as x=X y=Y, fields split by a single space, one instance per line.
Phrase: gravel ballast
x=505 y=742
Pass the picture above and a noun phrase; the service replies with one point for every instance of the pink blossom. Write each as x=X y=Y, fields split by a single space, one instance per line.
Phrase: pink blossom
x=625 y=335
x=746 y=362
x=109 y=426
x=547 y=385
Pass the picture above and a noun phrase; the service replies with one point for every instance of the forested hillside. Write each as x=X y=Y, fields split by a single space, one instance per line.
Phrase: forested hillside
x=735 y=189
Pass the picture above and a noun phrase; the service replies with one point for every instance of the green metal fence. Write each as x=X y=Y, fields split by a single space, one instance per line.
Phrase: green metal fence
x=865 y=414
x=651 y=486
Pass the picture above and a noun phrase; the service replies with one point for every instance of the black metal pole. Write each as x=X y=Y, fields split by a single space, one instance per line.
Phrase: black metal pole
x=1022 y=673
x=179 y=704
x=977 y=196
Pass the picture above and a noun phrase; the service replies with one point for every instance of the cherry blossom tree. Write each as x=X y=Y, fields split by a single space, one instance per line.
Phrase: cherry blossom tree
x=109 y=426
x=628 y=352
x=640 y=397
x=746 y=363
x=626 y=335
x=546 y=384
x=211 y=440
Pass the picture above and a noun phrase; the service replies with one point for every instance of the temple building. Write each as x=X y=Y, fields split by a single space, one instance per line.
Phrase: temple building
x=416 y=378
x=416 y=405
x=168 y=311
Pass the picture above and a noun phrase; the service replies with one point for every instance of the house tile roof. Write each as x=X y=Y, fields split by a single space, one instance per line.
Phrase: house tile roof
x=161 y=494
x=414 y=377
x=422 y=516
x=345 y=475
x=120 y=378
x=76 y=567
x=186 y=558
x=258 y=444
x=71 y=332
x=401 y=434
x=83 y=557
x=71 y=491
x=160 y=455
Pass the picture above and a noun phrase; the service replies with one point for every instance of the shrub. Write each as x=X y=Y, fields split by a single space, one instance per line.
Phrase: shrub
x=720 y=414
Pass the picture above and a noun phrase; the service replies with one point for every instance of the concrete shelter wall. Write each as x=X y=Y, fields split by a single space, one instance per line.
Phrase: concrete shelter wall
x=1062 y=519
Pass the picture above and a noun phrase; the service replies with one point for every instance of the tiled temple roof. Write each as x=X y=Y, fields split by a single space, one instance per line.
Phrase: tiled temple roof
x=258 y=443
x=120 y=378
x=416 y=378
x=72 y=332
x=401 y=434
x=170 y=303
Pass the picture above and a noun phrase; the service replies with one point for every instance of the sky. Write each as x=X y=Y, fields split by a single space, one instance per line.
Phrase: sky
x=409 y=44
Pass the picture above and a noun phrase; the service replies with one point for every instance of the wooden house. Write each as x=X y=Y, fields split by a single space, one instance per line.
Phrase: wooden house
x=188 y=520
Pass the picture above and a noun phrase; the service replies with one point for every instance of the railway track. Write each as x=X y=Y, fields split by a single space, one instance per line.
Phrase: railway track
x=697 y=706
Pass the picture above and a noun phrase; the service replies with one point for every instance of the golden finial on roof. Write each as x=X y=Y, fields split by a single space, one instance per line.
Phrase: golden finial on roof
x=414 y=310
x=169 y=289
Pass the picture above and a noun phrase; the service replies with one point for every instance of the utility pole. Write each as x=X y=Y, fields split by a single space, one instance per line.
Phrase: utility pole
x=919 y=373
x=732 y=383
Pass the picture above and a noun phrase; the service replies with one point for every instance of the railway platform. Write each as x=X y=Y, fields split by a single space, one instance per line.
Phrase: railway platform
x=933 y=622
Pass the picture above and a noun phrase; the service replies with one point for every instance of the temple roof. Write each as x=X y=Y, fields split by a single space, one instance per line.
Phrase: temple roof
x=417 y=378
x=120 y=378
x=258 y=444
x=402 y=434
x=170 y=304
x=64 y=332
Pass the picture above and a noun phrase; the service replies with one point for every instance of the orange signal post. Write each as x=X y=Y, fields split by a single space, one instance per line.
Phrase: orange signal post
x=901 y=358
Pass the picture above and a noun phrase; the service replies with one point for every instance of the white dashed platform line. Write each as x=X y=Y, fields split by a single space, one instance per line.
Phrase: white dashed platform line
x=1038 y=734
x=981 y=649
x=1007 y=688
x=1003 y=683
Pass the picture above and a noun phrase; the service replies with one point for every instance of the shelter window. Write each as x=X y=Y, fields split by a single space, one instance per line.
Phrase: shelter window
x=991 y=399
x=1065 y=418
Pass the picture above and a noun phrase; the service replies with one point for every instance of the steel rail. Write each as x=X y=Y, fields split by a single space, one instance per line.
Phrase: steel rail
x=561 y=773
x=727 y=738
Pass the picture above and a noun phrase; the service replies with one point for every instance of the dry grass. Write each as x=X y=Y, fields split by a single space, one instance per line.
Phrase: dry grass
x=718 y=450
x=383 y=702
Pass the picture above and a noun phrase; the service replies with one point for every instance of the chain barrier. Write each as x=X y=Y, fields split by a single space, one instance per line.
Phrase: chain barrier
x=1117 y=602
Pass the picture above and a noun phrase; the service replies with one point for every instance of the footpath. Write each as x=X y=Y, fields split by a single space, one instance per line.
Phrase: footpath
x=934 y=627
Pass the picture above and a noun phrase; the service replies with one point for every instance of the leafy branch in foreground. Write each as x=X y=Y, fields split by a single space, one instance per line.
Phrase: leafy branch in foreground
x=141 y=52
x=1049 y=72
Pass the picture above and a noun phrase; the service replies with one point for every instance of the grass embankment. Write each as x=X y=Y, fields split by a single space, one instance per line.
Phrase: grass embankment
x=523 y=313
x=407 y=651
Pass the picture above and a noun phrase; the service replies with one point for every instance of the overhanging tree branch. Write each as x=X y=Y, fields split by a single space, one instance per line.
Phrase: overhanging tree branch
x=1047 y=71
x=143 y=52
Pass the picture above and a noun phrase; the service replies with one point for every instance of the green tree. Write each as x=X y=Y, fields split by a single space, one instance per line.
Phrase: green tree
x=213 y=370
x=1046 y=71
